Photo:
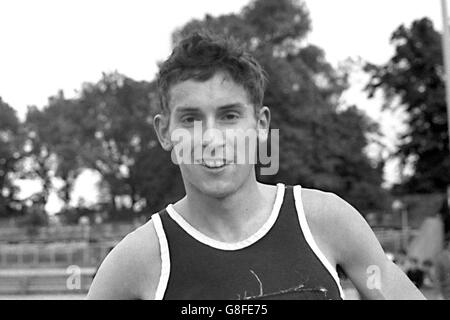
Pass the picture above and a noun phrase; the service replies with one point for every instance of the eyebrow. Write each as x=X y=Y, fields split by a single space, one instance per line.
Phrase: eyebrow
x=185 y=109
x=220 y=109
x=231 y=106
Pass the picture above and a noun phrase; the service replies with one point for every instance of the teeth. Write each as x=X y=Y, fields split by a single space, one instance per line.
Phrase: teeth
x=214 y=163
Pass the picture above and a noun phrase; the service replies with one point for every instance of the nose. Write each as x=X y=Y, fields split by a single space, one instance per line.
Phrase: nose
x=213 y=137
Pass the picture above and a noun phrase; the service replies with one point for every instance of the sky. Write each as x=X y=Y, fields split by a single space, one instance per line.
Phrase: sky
x=48 y=45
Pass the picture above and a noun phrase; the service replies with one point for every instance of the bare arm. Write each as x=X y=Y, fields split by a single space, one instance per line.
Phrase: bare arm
x=352 y=244
x=131 y=270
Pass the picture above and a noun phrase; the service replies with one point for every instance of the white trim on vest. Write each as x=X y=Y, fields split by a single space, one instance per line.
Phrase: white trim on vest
x=237 y=245
x=310 y=239
x=165 y=258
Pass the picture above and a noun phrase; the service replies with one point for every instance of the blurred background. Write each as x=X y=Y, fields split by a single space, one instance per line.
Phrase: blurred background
x=357 y=89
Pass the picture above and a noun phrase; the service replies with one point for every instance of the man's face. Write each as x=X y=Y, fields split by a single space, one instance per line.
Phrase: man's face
x=209 y=111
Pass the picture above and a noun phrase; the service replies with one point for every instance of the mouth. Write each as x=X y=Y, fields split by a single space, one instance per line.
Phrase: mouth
x=214 y=163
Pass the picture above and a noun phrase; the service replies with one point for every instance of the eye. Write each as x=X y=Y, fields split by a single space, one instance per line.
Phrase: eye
x=230 y=116
x=189 y=119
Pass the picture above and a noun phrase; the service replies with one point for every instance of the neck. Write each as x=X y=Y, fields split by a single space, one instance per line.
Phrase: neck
x=232 y=218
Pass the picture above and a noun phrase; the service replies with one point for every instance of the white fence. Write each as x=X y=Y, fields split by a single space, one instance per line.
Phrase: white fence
x=44 y=281
x=99 y=232
x=86 y=254
x=34 y=268
x=66 y=268
x=53 y=255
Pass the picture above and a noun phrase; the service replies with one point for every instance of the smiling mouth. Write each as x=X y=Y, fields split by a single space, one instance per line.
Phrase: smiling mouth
x=214 y=164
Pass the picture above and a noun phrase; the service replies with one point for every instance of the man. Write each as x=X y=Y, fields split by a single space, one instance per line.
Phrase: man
x=232 y=237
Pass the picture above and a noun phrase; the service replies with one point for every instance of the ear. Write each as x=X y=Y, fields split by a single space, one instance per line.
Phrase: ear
x=161 y=125
x=263 y=123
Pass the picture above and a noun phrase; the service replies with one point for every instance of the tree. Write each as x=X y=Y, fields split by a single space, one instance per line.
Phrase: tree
x=62 y=137
x=53 y=145
x=39 y=160
x=413 y=80
x=107 y=128
x=10 y=154
x=321 y=144
x=117 y=140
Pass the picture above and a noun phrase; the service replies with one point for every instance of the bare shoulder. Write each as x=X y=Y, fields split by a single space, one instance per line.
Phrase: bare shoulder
x=334 y=223
x=326 y=207
x=131 y=270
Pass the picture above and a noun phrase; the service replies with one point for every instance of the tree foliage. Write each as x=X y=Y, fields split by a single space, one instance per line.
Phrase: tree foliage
x=117 y=140
x=413 y=79
x=10 y=154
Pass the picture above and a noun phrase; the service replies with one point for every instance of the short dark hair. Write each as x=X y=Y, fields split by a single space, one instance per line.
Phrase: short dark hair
x=200 y=56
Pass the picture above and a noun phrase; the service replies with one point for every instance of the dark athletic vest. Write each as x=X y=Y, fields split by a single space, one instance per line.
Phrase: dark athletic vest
x=281 y=264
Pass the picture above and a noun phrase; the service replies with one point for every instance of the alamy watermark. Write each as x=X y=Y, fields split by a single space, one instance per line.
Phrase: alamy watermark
x=224 y=147
x=373 y=277
x=73 y=281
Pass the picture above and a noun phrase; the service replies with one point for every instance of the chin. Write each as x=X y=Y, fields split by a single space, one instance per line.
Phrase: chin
x=216 y=185
x=217 y=189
